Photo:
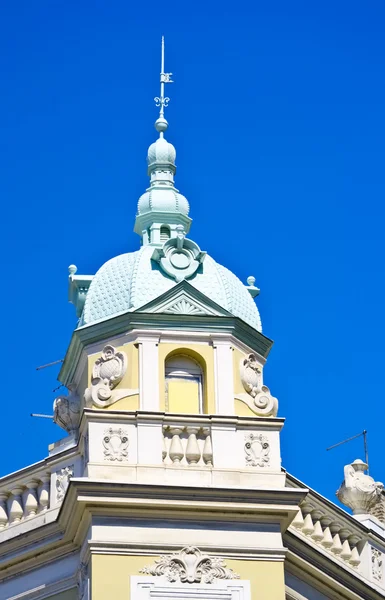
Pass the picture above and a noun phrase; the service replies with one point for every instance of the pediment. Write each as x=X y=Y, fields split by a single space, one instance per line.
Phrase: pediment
x=184 y=299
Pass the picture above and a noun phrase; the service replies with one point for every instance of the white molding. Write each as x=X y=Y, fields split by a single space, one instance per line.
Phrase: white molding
x=156 y=588
x=45 y=591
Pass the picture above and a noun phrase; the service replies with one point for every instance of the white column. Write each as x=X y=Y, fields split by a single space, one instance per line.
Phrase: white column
x=149 y=373
x=150 y=442
x=225 y=445
x=224 y=378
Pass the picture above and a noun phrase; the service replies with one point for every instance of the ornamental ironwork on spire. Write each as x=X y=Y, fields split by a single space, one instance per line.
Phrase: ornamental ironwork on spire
x=162 y=209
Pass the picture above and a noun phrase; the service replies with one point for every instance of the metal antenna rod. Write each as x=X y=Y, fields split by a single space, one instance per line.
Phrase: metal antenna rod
x=41 y=416
x=56 y=362
x=364 y=434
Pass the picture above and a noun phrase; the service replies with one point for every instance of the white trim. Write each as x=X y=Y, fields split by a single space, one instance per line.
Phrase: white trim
x=156 y=588
x=45 y=591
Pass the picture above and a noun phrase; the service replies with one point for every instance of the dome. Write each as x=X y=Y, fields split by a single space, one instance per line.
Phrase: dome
x=166 y=199
x=129 y=281
x=161 y=152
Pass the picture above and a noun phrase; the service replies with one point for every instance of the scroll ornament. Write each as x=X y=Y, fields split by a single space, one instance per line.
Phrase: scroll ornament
x=258 y=397
x=359 y=491
x=107 y=373
x=189 y=565
x=115 y=442
x=66 y=411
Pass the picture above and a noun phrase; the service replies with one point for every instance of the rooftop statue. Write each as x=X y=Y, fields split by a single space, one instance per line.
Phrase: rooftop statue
x=359 y=491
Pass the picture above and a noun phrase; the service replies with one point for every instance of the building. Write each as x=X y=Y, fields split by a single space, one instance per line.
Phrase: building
x=168 y=483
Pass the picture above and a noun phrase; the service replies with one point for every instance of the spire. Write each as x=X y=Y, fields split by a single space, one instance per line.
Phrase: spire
x=162 y=210
x=162 y=100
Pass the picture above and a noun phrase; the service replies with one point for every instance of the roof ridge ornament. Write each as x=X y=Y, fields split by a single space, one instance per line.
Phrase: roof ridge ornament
x=162 y=101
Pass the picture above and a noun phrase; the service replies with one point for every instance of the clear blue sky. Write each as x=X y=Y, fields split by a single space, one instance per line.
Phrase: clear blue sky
x=277 y=115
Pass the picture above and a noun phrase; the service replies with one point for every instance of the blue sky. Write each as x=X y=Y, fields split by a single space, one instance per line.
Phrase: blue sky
x=278 y=120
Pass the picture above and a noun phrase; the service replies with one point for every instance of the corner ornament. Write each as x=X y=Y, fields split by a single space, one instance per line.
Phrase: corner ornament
x=258 y=397
x=107 y=373
x=189 y=565
x=359 y=491
x=66 y=411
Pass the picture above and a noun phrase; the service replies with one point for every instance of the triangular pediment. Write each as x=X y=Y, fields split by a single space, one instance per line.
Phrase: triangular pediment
x=184 y=299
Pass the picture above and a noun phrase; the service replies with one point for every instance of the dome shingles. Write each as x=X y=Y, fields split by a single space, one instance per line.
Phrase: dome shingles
x=129 y=281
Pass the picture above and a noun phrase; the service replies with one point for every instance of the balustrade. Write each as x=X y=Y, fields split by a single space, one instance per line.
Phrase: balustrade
x=187 y=445
x=24 y=499
x=327 y=533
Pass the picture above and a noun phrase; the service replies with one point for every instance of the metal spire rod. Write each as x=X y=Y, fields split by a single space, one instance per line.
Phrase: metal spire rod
x=162 y=100
x=364 y=434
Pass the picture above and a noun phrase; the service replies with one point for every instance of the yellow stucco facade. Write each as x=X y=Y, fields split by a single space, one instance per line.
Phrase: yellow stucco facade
x=111 y=576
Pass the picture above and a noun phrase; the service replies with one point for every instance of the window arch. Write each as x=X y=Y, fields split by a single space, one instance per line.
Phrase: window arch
x=164 y=233
x=184 y=385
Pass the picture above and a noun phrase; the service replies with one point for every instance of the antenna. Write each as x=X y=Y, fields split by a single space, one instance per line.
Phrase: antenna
x=41 y=416
x=364 y=434
x=51 y=364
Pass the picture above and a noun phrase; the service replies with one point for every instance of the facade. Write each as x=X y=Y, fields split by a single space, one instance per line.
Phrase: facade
x=169 y=482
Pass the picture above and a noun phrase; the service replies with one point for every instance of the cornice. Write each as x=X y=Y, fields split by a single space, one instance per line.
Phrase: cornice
x=86 y=498
x=128 y=321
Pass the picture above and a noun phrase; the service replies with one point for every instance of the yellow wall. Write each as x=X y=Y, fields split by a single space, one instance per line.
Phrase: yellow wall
x=204 y=354
x=111 y=576
x=129 y=381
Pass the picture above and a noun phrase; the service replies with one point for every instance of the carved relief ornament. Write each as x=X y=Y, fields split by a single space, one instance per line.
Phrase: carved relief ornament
x=377 y=566
x=63 y=477
x=107 y=373
x=189 y=565
x=258 y=397
x=257 y=450
x=115 y=442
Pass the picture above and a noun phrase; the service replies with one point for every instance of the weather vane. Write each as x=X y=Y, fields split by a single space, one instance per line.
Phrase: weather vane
x=162 y=100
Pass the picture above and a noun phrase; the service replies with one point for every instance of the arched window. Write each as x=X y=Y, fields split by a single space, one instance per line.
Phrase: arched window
x=184 y=385
x=164 y=233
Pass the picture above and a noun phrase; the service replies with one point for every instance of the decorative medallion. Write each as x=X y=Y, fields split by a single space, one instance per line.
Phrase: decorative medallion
x=115 y=442
x=63 y=477
x=258 y=397
x=184 y=307
x=189 y=565
x=257 y=450
x=179 y=257
x=66 y=411
x=377 y=566
x=107 y=373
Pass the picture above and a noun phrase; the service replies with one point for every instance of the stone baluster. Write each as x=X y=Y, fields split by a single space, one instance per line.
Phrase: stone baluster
x=30 y=500
x=44 y=492
x=308 y=526
x=327 y=540
x=355 y=558
x=16 y=511
x=3 y=510
x=318 y=533
x=193 y=453
x=336 y=546
x=207 y=447
x=176 y=451
x=298 y=521
x=346 y=552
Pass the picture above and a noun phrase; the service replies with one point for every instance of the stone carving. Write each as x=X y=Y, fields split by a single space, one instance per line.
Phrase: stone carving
x=377 y=567
x=258 y=397
x=179 y=257
x=63 y=477
x=107 y=373
x=66 y=411
x=189 y=565
x=115 y=442
x=185 y=307
x=257 y=450
x=378 y=510
x=359 y=491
